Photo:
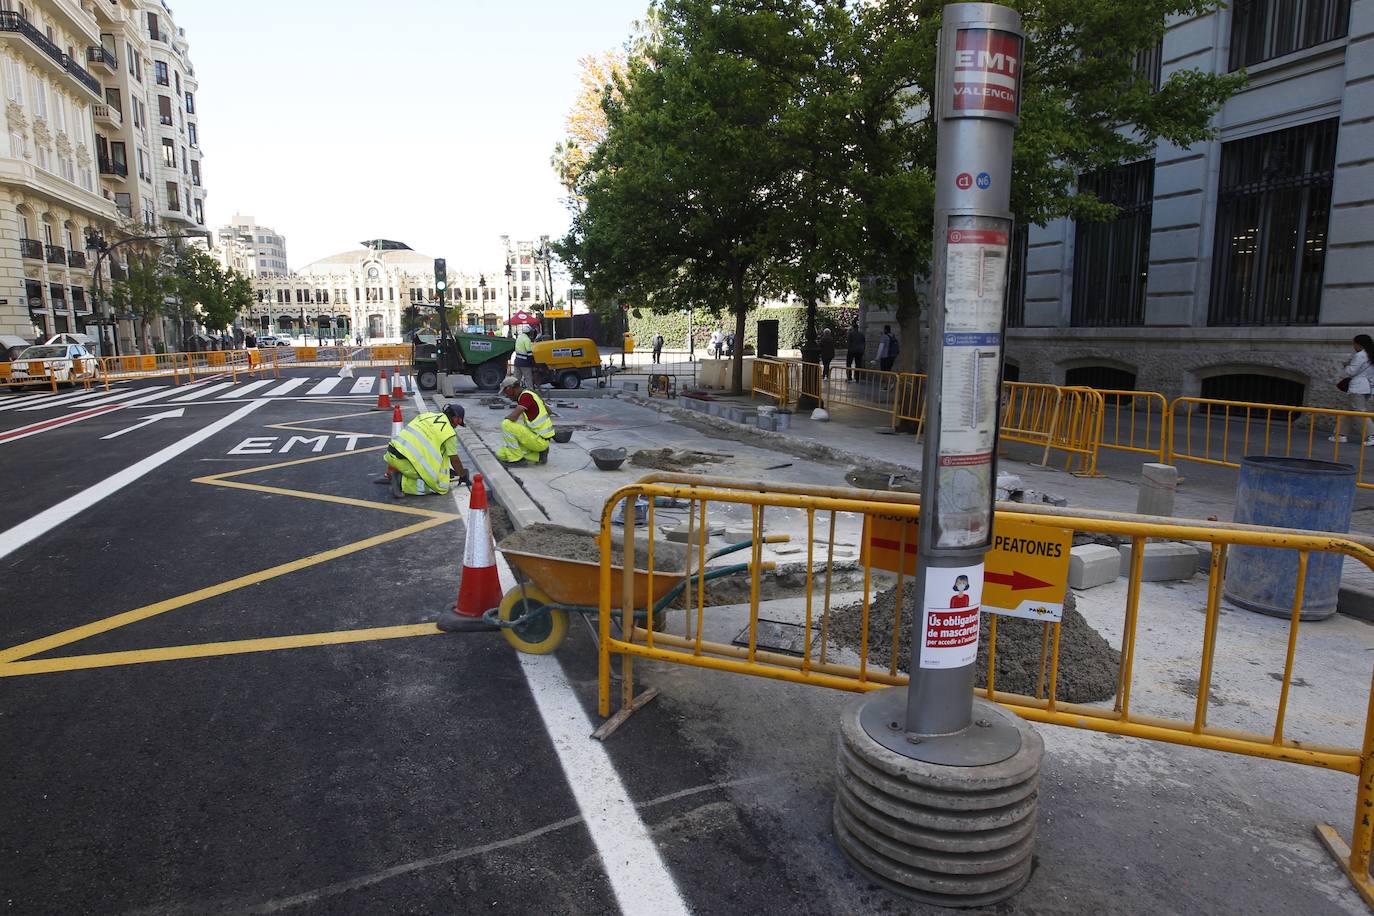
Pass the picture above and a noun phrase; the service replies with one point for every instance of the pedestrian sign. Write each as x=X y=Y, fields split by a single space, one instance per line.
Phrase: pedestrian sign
x=1026 y=571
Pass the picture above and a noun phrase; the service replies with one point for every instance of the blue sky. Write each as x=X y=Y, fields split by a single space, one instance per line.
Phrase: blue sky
x=426 y=121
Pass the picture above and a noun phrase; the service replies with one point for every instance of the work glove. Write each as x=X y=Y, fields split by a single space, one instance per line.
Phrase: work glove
x=464 y=479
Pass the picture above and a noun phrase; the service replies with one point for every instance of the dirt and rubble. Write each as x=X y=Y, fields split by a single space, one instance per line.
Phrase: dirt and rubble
x=581 y=546
x=1087 y=663
x=674 y=459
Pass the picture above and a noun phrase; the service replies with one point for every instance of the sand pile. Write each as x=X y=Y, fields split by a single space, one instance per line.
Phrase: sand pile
x=572 y=544
x=673 y=459
x=1087 y=663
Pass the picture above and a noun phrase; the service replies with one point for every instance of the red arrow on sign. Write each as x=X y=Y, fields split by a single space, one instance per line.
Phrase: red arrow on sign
x=1016 y=581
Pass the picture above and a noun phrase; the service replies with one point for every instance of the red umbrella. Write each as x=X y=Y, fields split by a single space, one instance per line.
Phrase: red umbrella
x=523 y=317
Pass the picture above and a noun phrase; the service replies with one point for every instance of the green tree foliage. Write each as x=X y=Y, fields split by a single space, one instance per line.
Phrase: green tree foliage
x=143 y=292
x=754 y=146
x=206 y=292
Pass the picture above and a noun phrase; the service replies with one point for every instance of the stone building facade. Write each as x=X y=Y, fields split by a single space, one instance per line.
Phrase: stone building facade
x=102 y=134
x=1237 y=268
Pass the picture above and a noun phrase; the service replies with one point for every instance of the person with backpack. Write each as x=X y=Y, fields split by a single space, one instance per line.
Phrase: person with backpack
x=888 y=348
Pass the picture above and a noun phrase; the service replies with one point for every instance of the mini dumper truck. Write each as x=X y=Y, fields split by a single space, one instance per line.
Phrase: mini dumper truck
x=481 y=358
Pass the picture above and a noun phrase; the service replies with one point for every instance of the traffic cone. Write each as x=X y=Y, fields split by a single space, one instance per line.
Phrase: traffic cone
x=383 y=398
x=397 y=394
x=480 y=587
x=396 y=421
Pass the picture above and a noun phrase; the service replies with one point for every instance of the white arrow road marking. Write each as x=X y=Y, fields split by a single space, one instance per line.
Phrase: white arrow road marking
x=148 y=421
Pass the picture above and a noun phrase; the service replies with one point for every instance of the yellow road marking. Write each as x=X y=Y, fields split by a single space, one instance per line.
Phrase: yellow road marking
x=212 y=649
x=11 y=656
x=96 y=627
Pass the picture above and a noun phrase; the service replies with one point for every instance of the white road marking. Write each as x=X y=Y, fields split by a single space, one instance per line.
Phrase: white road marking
x=25 y=400
x=326 y=386
x=640 y=879
x=363 y=385
x=167 y=392
x=148 y=421
x=122 y=396
x=43 y=426
x=67 y=399
x=251 y=386
x=202 y=392
x=290 y=384
x=48 y=519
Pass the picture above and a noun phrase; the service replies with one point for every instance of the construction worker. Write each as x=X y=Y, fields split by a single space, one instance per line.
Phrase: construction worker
x=528 y=428
x=423 y=456
x=524 y=356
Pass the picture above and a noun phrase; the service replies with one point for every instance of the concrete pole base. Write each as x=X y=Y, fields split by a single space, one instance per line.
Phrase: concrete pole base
x=955 y=836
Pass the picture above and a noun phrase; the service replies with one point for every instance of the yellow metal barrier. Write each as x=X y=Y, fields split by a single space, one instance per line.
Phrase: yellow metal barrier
x=820 y=508
x=1211 y=431
x=1057 y=418
x=867 y=389
x=1135 y=421
x=138 y=366
x=771 y=378
x=48 y=381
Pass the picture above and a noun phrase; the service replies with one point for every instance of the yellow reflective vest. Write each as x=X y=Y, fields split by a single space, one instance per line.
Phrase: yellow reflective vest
x=427 y=442
x=542 y=424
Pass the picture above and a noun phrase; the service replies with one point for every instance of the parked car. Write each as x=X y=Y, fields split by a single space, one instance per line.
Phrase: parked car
x=271 y=340
x=65 y=363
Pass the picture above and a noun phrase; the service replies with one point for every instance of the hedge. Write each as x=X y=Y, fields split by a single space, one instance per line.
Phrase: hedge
x=644 y=324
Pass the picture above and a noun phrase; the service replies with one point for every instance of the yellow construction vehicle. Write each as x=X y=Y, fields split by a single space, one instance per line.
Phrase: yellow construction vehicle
x=565 y=363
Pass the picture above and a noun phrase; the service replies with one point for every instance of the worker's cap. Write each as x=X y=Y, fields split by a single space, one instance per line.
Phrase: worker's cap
x=510 y=382
x=454 y=412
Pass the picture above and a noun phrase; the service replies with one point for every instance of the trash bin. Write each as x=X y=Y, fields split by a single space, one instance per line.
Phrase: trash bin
x=1289 y=493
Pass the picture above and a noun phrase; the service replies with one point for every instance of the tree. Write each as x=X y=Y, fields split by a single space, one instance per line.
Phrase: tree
x=759 y=145
x=143 y=292
x=207 y=292
x=682 y=193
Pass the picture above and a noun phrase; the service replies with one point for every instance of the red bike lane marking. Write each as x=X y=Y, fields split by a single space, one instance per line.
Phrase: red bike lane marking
x=34 y=429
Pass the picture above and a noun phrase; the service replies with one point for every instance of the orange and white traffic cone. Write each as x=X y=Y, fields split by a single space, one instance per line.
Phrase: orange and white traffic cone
x=383 y=398
x=479 y=589
x=397 y=395
x=396 y=421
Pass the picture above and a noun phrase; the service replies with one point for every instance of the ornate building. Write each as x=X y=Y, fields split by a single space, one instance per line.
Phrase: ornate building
x=365 y=291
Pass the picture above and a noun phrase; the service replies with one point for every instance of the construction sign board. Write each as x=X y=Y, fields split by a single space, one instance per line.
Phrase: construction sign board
x=1026 y=571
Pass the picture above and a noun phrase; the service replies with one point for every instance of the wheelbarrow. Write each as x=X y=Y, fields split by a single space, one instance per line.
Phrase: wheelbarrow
x=533 y=616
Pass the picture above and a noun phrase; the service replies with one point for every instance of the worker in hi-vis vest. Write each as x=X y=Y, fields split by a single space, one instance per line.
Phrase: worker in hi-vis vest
x=528 y=429
x=423 y=456
x=524 y=356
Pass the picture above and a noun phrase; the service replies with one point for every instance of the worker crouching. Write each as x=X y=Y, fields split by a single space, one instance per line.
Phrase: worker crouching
x=423 y=456
x=527 y=429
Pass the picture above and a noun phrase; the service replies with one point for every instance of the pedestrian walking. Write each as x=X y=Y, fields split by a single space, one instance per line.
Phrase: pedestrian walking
x=1357 y=380
x=827 y=343
x=888 y=348
x=854 y=349
x=358 y=339
x=729 y=344
x=717 y=341
x=658 y=348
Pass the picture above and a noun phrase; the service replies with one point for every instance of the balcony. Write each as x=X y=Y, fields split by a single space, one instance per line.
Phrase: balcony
x=102 y=55
x=31 y=248
x=158 y=35
x=113 y=167
x=56 y=254
x=108 y=114
x=12 y=22
x=76 y=258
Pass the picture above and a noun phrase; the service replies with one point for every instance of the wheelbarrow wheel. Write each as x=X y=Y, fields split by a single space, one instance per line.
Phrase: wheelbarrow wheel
x=541 y=635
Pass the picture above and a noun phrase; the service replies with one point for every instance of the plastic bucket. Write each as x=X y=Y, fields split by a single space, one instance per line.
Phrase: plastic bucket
x=1289 y=493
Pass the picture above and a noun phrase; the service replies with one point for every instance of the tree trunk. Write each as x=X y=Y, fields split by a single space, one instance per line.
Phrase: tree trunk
x=737 y=369
x=912 y=339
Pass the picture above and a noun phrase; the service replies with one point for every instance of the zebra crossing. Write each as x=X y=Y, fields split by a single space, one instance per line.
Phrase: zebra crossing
x=215 y=389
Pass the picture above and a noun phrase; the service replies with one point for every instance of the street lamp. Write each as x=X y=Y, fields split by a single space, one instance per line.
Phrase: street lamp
x=510 y=287
x=96 y=242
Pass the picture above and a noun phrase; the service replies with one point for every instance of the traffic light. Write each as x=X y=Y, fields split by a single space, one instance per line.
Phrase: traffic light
x=440 y=274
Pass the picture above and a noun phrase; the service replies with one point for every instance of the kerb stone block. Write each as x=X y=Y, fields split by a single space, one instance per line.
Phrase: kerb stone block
x=1165 y=561
x=1091 y=565
x=1158 y=487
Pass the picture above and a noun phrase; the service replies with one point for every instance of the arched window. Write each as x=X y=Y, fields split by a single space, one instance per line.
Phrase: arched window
x=1255 y=387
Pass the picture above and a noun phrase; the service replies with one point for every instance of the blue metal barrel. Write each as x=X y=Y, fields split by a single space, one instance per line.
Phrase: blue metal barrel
x=1289 y=493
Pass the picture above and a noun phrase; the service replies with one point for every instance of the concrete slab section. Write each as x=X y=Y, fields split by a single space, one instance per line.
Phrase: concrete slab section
x=1091 y=565
x=1165 y=561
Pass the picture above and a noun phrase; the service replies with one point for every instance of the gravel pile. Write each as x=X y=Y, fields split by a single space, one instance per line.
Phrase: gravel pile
x=1087 y=663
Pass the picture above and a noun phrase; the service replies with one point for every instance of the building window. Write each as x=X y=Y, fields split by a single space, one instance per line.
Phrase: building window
x=1264 y=29
x=1148 y=61
x=190 y=102
x=173 y=196
x=124 y=205
x=176 y=78
x=143 y=171
x=169 y=153
x=195 y=172
x=1016 y=277
x=191 y=134
x=160 y=73
x=1273 y=203
x=185 y=168
x=1254 y=388
x=200 y=211
x=1111 y=258
x=164 y=110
